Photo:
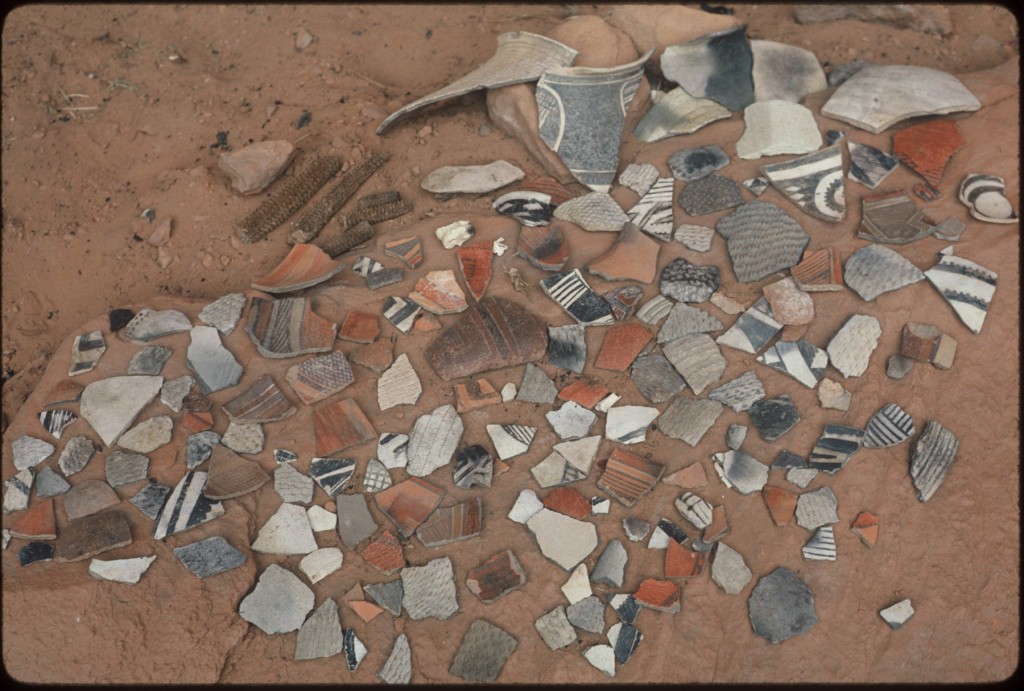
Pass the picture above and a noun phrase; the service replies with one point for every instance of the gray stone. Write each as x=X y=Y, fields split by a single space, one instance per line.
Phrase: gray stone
x=29 y=452
x=571 y=421
x=627 y=424
x=321 y=563
x=123 y=468
x=817 y=508
x=173 y=392
x=850 y=349
x=655 y=378
x=554 y=629
x=774 y=417
x=761 y=239
x=781 y=606
x=735 y=436
x=150 y=499
x=199 y=447
x=879 y=96
x=76 y=455
x=635 y=528
x=933 y=456
x=693 y=164
x=874 y=269
x=567 y=347
x=87 y=498
x=775 y=127
x=610 y=568
x=688 y=419
x=355 y=522
x=120 y=570
x=740 y=393
x=149 y=360
x=433 y=440
x=562 y=539
x=639 y=177
x=397 y=669
x=246 y=439
x=697 y=358
x=110 y=405
x=223 y=313
x=785 y=72
x=587 y=614
x=287 y=531
x=686 y=282
x=212 y=363
x=147 y=436
x=716 y=66
x=209 y=557
x=898 y=366
x=292 y=486
x=147 y=325
x=253 y=167
x=387 y=595
x=741 y=471
x=429 y=590
x=683 y=320
x=50 y=484
x=482 y=653
x=279 y=603
x=471 y=179
x=536 y=386
x=320 y=635
x=17 y=490
x=729 y=570
x=897 y=615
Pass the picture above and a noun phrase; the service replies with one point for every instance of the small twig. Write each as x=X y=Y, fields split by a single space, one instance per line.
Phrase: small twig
x=80 y=108
x=364 y=77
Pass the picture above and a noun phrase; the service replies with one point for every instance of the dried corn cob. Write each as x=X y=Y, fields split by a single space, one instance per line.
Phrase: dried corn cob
x=313 y=221
x=376 y=214
x=344 y=240
x=276 y=210
x=379 y=198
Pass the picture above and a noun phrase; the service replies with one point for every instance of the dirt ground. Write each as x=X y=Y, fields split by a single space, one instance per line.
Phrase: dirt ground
x=111 y=110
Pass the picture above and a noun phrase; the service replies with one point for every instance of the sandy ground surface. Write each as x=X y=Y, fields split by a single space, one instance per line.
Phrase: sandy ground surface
x=76 y=181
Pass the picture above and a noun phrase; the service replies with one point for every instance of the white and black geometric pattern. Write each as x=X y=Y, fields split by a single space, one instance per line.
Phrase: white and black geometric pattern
x=391 y=450
x=822 y=545
x=653 y=213
x=187 y=506
x=54 y=421
x=400 y=312
x=888 y=427
x=575 y=296
x=474 y=466
x=967 y=286
x=934 y=454
x=377 y=477
x=799 y=359
x=510 y=440
x=834 y=448
x=868 y=165
x=332 y=473
x=753 y=329
x=529 y=208
x=813 y=182
x=694 y=509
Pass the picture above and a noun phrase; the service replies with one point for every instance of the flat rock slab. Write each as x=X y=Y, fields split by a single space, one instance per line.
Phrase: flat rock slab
x=471 y=179
x=92 y=535
x=775 y=127
x=850 y=349
x=482 y=653
x=110 y=405
x=320 y=635
x=29 y=451
x=213 y=364
x=874 y=270
x=729 y=570
x=429 y=591
x=688 y=419
x=147 y=324
x=89 y=497
x=761 y=239
x=120 y=570
x=493 y=334
x=125 y=468
x=149 y=435
x=355 y=522
x=879 y=96
x=562 y=539
x=209 y=557
x=433 y=440
x=781 y=606
x=287 y=531
x=279 y=603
